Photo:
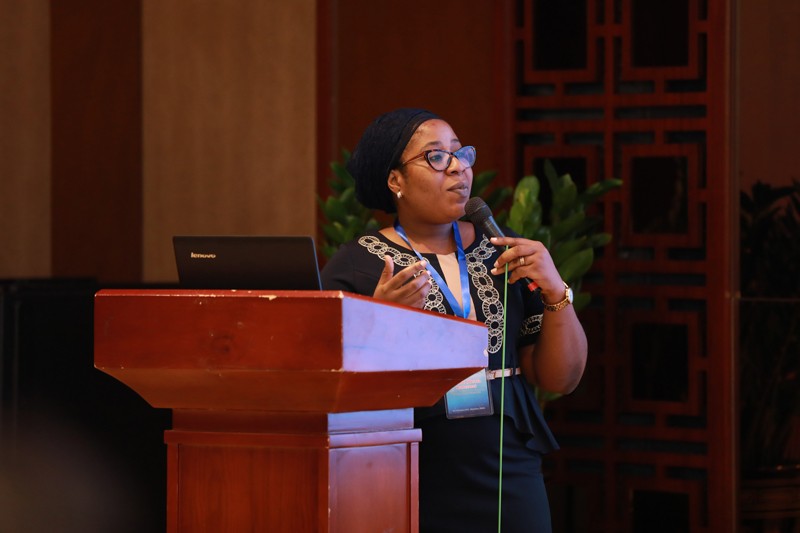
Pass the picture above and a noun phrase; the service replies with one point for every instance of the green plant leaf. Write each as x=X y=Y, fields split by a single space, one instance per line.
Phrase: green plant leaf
x=564 y=198
x=527 y=191
x=596 y=190
x=542 y=234
x=481 y=182
x=567 y=227
x=516 y=218
x=564 y=250
x=598 y=240
x=577 y=265
x=348 y=197
x=525 y=219
x=581 y=300
x=552 y=176
x=333 y=232
x=343 y=179
x=497 y=197
x=588 y=226
x=335 y=209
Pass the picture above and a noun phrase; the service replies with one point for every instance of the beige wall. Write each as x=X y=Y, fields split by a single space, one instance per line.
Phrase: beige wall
x=229 y=121
x=768 y=51
x=24 y=139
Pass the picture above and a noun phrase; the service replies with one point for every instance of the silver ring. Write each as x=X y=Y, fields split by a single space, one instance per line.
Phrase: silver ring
x=522 y=260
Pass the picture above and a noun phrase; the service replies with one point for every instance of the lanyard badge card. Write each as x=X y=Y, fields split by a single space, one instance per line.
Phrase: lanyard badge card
x=471 y=397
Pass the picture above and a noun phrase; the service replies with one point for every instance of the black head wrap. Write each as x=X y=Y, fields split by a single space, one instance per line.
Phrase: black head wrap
x=379 y=151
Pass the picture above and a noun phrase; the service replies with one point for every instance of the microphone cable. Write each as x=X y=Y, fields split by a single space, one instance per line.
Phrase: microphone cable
x=502 y=402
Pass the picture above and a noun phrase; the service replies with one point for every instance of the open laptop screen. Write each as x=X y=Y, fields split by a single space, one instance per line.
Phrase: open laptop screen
x=247 y=262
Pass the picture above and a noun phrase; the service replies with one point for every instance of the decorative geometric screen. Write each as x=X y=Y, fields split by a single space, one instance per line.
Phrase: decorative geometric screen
x=620 y=88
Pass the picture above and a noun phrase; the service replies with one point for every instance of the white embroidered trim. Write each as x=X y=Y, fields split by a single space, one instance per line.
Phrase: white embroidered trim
x=488 y=295
x=435 y=300
x=531 y=325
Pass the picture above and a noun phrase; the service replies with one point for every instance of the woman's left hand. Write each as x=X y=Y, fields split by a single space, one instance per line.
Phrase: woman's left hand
x=529 y=259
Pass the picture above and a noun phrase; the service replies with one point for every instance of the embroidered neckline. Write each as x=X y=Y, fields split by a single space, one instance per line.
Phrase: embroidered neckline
x=488 y=296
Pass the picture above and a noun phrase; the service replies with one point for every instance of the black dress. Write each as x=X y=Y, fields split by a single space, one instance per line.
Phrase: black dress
x=459 y=458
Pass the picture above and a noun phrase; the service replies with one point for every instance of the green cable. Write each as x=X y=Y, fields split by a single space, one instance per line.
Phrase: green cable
x=502 y=403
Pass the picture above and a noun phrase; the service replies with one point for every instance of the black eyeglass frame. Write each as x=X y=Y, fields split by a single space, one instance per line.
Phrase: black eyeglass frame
x=450 y=155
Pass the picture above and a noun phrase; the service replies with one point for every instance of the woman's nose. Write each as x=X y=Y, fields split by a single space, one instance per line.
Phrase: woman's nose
x=456 y=166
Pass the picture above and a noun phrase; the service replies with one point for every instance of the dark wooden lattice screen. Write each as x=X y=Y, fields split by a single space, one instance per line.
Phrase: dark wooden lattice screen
x=637 y=89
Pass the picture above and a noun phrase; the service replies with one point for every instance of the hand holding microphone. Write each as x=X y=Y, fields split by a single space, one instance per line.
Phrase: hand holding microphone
x=479 y=214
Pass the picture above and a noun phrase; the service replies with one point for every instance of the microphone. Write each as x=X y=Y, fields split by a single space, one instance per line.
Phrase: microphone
x=479 y=214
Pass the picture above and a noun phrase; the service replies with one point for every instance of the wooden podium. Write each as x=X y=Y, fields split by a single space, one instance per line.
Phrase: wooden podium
x=292 y=411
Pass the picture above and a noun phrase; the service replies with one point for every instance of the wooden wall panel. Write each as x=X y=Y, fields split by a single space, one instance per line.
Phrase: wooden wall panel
x=229 y=122
x=768 y=50
x=24 y=139
x=96 y=139
x=387 y=55
x=641 y=91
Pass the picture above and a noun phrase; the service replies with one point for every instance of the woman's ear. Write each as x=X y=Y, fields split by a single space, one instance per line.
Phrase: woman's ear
x=394 y=181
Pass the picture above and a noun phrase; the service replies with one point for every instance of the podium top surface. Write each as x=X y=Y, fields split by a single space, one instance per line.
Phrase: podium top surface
x=321 y=351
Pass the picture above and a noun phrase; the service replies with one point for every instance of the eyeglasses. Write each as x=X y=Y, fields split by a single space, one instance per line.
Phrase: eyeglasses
x=440 y=159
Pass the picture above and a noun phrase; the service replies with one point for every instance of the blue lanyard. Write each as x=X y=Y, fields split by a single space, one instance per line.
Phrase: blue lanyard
x=462 y=269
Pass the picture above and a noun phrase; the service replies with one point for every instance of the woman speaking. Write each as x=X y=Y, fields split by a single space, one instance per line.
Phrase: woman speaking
x=410 y=162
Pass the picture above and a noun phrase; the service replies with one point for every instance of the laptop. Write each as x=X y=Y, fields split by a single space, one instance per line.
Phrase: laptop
x=247 y=262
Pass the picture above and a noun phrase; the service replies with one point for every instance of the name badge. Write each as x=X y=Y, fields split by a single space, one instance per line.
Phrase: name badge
x=469 y=398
